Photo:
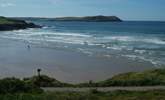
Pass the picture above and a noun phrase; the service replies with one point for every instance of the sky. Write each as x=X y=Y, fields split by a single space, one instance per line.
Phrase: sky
x=124 y=9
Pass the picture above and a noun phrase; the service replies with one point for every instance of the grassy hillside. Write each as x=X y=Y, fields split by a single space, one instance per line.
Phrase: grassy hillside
x=4 y=20
x=7 y=24
x=147 y=78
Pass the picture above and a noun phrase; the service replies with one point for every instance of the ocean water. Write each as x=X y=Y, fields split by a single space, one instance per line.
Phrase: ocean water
x=135 y=40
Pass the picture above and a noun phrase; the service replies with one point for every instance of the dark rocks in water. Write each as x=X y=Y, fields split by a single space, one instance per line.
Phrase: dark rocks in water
x=99 y=18
x=7 y=24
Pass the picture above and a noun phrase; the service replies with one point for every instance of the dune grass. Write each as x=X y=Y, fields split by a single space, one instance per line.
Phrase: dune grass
x=146 y=78
x=152 y=77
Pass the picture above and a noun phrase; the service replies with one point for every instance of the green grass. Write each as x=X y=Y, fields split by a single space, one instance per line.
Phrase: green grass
x=45 y=81
x=115 y=95
x=4 y=20
x=146 y=78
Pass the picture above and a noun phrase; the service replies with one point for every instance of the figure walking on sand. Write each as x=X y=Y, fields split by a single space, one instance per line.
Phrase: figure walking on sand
x=28 y=46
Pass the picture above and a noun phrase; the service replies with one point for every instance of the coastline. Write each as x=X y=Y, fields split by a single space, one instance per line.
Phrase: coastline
x=9 y=24
x=66 y=66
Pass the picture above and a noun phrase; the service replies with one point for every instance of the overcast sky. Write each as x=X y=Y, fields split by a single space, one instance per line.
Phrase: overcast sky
x=125 y=9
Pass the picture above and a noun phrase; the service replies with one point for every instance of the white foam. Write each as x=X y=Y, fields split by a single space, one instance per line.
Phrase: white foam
x=140 y=51
x=27 y=32
x=134 y=57
x=82 y=38
x=115 y=48
x=155 y=41
x=152 y=40
x=63 y=37
x=85 y=51
x=118 y=38
x=121 y=43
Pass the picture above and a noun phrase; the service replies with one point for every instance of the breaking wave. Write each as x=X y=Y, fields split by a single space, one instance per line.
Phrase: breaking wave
x=143 y=47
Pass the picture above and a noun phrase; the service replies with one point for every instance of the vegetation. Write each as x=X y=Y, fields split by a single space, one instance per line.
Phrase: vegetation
x=14 y=85
x=115 y=95
x=13 y=24
x=4 y=20
x=146 y=78
x=45 y=81
x=32 y=84
x=29 y=88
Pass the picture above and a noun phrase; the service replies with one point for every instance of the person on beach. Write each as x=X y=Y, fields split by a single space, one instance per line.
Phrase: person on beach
x=28 y=46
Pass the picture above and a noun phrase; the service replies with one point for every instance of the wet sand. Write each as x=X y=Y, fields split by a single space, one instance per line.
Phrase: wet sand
x=19 y=60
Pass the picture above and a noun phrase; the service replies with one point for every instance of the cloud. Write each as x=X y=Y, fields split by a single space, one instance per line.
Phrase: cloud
x=6 y=4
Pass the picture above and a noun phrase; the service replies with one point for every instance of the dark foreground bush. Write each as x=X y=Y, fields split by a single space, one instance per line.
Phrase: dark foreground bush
x=115 y=95
x=13 y=85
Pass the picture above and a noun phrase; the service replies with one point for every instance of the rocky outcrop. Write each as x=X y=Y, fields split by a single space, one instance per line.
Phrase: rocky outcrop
x=7 y=24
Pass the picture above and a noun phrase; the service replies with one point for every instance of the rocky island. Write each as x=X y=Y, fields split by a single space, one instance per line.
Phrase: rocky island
x=7 y=24
x=99 y=18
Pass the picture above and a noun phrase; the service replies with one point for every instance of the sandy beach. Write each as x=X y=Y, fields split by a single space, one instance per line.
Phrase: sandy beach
x=17 y=59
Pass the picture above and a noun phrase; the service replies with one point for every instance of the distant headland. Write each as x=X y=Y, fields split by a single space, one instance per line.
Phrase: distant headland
x=99 y=18
x=7 y=24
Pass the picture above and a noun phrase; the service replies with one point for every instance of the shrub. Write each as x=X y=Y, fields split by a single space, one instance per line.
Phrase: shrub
x=14 y=85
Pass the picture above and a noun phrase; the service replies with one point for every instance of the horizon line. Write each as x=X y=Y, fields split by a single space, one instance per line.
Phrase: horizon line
x=81 y=16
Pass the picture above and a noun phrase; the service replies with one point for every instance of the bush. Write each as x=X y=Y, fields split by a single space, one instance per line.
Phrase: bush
x=45 y=81
x=146 y=78
x=94 y=91
x=14 y=85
